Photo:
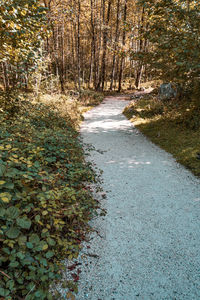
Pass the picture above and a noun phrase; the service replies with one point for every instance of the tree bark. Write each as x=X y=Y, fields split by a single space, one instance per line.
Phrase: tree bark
x=115 y=46
x=93 y=46
x=78 y=45
x=123 y=44
x=141 y=47
x=105 y=37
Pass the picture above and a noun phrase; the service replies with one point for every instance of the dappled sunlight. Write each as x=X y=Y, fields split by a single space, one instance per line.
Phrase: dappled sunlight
x=107 y=120
x=106 y=125
x=130 y=163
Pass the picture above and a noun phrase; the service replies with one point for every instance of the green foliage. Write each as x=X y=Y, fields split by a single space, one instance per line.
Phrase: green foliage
x=45 y=201
x=22 y=27
x=90 y=98
x=173 y=29
x=20 y=32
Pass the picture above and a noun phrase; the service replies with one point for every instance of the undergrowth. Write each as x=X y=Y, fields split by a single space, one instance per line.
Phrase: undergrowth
x=173 y=125
x=45 y=196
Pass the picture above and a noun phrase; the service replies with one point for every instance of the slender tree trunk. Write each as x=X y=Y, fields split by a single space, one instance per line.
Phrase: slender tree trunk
x=93 y=54
x=105 y=37
x=91 y=68
x=61 y=63
x=123 y=44
x=116 y=74
x=141 y=47
x=99 y=43
x=78 y=46
x=115 y=46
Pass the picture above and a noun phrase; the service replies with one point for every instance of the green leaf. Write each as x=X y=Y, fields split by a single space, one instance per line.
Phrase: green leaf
x=10 y=284
x=14 y=264
x=2 y=169
x=49 y=254
x=2 y=212
x=2 y=292
x=9 y=186
x=24 y=223
x=20 y=255
x=29 y=245
x=34 y=238
x=13 y=233
x=13 y=212
x=22 y=240
x=50 y=241
x=37 y=164
x=37 y=218
x=43 y=261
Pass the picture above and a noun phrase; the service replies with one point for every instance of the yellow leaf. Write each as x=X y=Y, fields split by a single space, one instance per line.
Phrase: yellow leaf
x=23 y=12
x=2 y=182
x=1 y=147
x=44 y=213
x=5 y=197
x=45 y=247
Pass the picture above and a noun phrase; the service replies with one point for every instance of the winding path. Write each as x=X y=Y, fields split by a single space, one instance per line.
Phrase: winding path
x=148 y=246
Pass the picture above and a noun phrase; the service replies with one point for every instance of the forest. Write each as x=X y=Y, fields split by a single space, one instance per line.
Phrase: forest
x=98 y=44
x=59 y=58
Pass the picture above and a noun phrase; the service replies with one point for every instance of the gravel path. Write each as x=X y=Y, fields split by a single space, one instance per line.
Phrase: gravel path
x=148 y=246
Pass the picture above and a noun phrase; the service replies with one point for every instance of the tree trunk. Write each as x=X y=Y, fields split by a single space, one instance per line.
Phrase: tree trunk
x=123 y=44
x=105 y=37
x=141 y=47
x=115 y=46
x=99 y=43
x=78 y=46
x=93 y=44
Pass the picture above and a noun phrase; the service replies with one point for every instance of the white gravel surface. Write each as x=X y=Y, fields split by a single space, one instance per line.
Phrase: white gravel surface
x=148 y=246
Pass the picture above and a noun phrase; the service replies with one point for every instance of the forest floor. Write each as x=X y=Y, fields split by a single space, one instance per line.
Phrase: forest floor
x=147 y=246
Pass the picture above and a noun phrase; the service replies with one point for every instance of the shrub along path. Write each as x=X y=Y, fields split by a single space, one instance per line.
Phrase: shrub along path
x=147 y=246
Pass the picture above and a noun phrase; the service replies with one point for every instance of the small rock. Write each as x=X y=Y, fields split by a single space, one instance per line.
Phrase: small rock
x=167 y=92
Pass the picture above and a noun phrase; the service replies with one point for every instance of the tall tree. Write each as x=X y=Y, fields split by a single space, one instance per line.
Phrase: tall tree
x=115 y=46
x=123 y=44
x=106 y=20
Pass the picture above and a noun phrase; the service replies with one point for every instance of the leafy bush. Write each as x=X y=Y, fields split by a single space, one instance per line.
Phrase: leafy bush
x=45 y=202
x=90 y=98
x=174 y=54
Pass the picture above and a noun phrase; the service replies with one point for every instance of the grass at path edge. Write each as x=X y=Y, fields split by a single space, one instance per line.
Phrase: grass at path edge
x=174 y=126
